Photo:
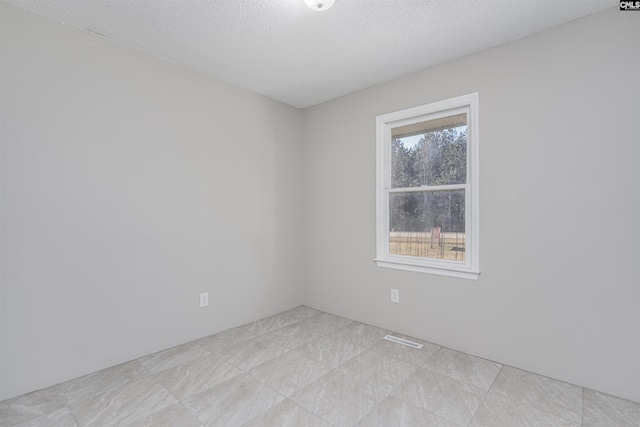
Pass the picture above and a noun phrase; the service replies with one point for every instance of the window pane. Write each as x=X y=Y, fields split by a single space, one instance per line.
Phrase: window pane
x=427 y=224
x=433 y=152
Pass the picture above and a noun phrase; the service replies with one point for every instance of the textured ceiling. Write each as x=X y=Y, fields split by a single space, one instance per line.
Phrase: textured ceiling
x=283 y=50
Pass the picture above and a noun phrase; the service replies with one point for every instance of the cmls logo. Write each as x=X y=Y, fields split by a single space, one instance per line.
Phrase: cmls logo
x=629 y=5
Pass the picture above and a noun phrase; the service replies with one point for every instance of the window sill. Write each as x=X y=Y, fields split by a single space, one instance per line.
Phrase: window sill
x=440 y=271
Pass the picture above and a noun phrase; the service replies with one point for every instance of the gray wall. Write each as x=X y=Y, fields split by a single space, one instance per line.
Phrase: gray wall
x=129 y=186
x=559 y=193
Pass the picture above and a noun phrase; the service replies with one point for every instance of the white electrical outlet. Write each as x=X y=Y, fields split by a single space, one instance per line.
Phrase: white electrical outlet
x=204 y=299
x=395 y=296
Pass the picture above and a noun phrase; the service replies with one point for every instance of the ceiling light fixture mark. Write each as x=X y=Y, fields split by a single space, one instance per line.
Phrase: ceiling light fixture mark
x=319 y=5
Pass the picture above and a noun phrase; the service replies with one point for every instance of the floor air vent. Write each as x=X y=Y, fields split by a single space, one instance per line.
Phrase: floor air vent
x=403 y=341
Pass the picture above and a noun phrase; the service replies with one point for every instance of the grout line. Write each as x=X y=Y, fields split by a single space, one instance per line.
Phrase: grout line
x=582 y=407
x=495 y=379
x=73 y=415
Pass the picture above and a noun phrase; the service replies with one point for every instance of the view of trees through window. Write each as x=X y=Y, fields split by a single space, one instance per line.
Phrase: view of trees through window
x=427 y=220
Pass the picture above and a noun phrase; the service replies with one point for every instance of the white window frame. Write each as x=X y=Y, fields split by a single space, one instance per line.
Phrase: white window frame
x=469 y=268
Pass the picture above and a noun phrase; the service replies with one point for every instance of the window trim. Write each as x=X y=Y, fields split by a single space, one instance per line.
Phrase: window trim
x=384 y=123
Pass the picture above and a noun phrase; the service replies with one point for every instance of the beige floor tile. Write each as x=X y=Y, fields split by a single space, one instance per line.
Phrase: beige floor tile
x=395 y=412
x=32 y=405
x=601 y=410
x=232 y=402
x=60 y=418
x=338 y=398
x=499 y=411
x=197 y=376
x=325 y=323
x=360 y=334
x=441 y=395
x=377 y=369
x=288 y=373
x=252 y=353
x=546 y=394
x=330 y=351
x=286 y=414
x=464 y=367
x=86 y=387
x=292 y=336
x=128 y=404
x=220 y=341
x=336 y=372
x=174 y=356
x=173 y=416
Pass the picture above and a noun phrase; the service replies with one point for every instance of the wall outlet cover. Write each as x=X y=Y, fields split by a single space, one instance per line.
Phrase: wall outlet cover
x=395 y=296
x=204 y=299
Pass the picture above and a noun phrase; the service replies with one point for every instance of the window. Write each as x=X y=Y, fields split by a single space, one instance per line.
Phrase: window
x=427 y=188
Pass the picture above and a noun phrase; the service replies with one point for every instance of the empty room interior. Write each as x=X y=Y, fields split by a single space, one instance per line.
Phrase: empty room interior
x=204 y=221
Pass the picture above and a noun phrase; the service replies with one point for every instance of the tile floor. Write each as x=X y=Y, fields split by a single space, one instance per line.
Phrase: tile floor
x=307 y=368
